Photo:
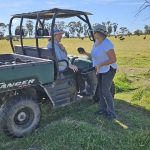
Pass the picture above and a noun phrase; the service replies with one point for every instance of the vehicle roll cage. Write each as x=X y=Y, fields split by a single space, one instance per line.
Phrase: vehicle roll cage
x=45 y=15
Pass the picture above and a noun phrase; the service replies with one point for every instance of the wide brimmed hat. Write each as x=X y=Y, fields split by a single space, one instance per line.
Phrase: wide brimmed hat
x=100 y=28
x=57 y=31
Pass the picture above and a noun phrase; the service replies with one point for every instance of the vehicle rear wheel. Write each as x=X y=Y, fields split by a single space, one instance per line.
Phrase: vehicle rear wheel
x=20 y=116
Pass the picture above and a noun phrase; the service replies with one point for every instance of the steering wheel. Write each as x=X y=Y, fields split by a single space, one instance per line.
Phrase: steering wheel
x=73 y=60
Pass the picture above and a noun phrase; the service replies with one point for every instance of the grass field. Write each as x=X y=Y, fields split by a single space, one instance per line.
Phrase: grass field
x=76 y=127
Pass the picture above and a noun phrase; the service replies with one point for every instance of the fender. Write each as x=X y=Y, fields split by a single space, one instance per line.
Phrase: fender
x=48 y=94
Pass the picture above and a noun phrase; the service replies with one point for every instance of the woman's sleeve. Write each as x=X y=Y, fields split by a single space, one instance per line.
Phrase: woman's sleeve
x=108 y=46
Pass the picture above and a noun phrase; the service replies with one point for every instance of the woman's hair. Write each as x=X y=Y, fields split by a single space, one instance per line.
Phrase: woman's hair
x=101 y=34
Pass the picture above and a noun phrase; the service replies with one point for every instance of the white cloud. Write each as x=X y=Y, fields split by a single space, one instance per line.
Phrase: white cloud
x=15 y=21
x=58 y=4
x=15 y=4
x=99 y=1
x=130 y=3
x=119 y=2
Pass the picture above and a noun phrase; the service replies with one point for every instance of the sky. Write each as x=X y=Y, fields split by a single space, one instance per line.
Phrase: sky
x=122 y=12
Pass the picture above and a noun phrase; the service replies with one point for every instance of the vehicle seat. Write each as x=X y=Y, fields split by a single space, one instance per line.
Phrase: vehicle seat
x=42 y=32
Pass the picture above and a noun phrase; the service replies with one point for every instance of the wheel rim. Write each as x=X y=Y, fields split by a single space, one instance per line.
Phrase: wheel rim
x=24 y=117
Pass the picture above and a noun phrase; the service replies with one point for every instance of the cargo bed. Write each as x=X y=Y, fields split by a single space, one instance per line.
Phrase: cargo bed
x=14 y=67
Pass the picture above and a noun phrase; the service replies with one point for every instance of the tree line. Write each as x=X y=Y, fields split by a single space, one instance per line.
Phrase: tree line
x=76 y=29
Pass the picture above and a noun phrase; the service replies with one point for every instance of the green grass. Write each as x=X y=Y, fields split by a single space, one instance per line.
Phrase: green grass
x=138 y=95
x=76 y=127
x=122 y=83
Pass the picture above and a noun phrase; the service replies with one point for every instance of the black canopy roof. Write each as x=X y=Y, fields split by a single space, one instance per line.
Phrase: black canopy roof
x=47 y=14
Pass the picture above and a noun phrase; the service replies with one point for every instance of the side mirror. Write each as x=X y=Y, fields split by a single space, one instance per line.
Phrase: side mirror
x=63 y=65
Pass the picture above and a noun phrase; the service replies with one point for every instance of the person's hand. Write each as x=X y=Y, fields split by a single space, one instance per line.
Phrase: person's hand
x=97 y=68
x=73 y=67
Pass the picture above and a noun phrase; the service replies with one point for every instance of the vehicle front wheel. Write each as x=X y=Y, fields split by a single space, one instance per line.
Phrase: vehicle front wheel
x=20 y=116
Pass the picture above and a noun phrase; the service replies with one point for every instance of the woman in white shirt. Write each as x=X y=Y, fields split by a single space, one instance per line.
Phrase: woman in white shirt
x=104 y=60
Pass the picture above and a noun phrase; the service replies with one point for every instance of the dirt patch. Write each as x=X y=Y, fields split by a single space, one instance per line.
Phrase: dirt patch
x=133 y=70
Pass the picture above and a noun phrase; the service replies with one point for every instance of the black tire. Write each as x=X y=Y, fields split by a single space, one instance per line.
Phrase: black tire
x=112 y=89
x=20 y=116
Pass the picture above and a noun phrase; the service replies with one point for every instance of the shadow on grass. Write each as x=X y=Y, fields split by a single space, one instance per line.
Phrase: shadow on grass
x=128 y=116
x=77 y=122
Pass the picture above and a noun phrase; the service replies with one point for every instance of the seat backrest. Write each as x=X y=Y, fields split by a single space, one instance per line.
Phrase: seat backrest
x=46 y=32
x=18 y=32
x=45 y=53
x=42 y=32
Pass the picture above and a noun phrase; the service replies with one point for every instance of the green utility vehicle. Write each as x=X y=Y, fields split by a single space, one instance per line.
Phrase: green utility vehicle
x=32 y=74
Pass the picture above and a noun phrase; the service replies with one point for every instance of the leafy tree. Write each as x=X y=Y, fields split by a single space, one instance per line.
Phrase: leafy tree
x=1 y=35
x=115 y=26
x=108 y=26
x=109 y=29
x=2 y=29
x=147 y=29
x=72 y=27
x=79 y=28
x=138 y=32
x=129 y=33
x=85 y=30
x=25 y=32
x=29 y=26
x=47 y=26
x=108 y=23
x=124 y=31
x=60 y=25
x=67 y=34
